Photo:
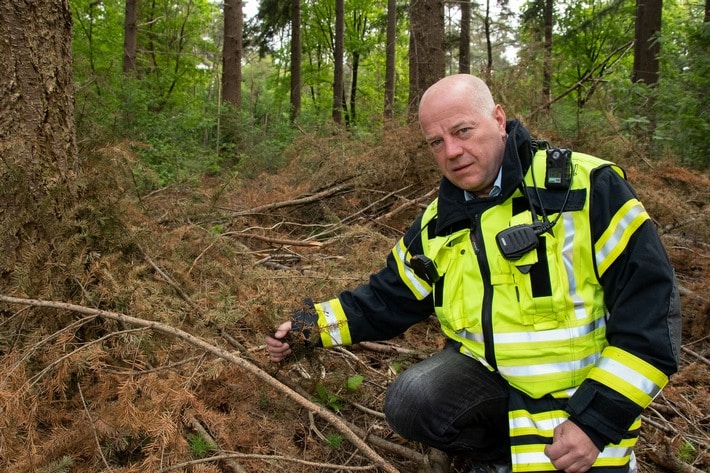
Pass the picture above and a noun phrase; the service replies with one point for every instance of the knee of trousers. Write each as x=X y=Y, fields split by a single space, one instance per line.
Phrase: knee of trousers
x=405 y=400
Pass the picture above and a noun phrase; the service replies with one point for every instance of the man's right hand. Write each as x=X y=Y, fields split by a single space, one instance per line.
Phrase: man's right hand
x=279 y=350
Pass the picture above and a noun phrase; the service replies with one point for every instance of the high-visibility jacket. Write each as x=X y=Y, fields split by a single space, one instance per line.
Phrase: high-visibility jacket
x=584 y=326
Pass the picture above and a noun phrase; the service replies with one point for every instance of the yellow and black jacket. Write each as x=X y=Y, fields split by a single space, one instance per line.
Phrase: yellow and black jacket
x=586 y=326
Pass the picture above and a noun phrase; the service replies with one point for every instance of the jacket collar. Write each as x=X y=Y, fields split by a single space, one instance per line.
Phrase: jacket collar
x=454 y=212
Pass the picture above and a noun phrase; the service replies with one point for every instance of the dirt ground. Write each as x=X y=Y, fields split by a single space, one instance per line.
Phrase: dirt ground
x=226 y=260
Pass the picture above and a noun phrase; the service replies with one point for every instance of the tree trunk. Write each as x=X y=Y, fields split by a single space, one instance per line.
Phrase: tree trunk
x=232 y=52
x=37 y=134
x=647 y=47
x=548 y=20
x=465 y=38
x=427 y=58
x=489 y=42
x=390 y=49
x=295 y=59
x=338 y=53
x=130 y=36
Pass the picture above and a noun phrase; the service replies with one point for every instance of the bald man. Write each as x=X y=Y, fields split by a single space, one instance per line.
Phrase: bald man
x=548 y=279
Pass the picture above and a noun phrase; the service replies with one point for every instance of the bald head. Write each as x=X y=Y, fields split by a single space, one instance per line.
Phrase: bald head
x=465 y=131
x=466 y=88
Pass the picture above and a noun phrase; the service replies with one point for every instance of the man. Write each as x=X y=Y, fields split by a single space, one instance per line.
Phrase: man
x=550 y=282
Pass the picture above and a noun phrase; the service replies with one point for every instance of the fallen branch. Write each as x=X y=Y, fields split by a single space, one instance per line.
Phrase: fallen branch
x=255 y=456
x=221 y=353
x=291 y=203
x=278 y=241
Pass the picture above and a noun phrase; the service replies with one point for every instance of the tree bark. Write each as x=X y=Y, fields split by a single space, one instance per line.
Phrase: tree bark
x=38 y=148
x=465 y=38
x=548 y=20
x=647 y=46
x=390 y=49
x=338 y=53
x=130 y=36
x=427 y=58
x=295 y=59
x=232 y=52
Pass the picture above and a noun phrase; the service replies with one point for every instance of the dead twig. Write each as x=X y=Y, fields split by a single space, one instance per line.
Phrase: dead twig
x=221 y=353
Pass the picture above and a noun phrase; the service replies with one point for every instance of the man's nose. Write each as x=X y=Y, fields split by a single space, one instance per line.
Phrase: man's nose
x=452 y=149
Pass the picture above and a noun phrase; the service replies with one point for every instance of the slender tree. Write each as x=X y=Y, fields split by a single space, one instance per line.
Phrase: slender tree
x=295 y=59
x=130 y=36
x=465 y=38
x=548 y=21
x=390 y=57
x=647 y=46
x=427 y=58
x=338 y=53
x=232 y=52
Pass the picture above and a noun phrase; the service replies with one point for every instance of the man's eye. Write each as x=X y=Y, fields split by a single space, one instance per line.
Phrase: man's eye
x=435 y=143
x=464 y=131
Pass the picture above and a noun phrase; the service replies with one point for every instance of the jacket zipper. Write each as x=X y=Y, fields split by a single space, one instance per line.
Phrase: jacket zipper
x=487 y=304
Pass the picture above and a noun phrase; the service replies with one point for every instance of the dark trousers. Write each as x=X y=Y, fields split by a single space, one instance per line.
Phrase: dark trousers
x=453 y=403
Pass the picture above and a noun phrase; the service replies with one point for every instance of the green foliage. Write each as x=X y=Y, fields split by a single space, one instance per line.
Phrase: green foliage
x=199 y=446
x=335 y=441
x=687 y=453
x=63 y=465
x=354 y=382
x=327 y=398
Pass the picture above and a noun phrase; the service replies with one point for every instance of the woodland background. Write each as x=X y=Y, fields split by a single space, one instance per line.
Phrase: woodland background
x=178 y=175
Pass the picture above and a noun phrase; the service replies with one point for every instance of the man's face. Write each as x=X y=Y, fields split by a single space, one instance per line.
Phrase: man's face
x=468 y=146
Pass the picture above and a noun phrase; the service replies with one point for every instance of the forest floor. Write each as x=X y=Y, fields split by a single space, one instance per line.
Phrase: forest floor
x=174 y=376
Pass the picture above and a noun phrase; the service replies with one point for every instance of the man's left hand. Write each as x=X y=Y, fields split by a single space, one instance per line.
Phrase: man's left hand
x=571 y=450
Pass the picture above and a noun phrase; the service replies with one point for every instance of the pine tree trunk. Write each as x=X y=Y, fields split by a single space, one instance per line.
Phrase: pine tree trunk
x=647 y=47
x=130 y=36
x=232 y=53
x=390 y=49
x=295 y=59
x=427 y=56
x=37 y=134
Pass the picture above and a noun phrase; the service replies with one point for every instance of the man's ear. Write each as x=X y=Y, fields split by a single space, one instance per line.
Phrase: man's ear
x=499 y=115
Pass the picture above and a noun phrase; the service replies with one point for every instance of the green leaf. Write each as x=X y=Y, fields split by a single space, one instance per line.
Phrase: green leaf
x=354 y=382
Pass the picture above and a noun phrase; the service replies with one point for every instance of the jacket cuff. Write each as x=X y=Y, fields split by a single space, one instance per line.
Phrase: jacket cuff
x=601 y=411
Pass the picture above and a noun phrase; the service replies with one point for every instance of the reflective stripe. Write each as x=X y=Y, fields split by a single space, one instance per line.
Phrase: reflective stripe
x=629 y=375
x=567 y=256
x=538 y=337
x=614 y=239
x=524 y=423
x=530 y=433
x=419 y=287
x=548 y=368
x=333 y=324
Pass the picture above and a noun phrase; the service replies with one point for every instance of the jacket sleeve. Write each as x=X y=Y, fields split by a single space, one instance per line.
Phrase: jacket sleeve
x=384 y=307
x=643 y=325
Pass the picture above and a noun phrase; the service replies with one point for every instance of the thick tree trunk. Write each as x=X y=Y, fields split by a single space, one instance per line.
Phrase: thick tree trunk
x=232 y=52
x=427 y=58
x=38 y=149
